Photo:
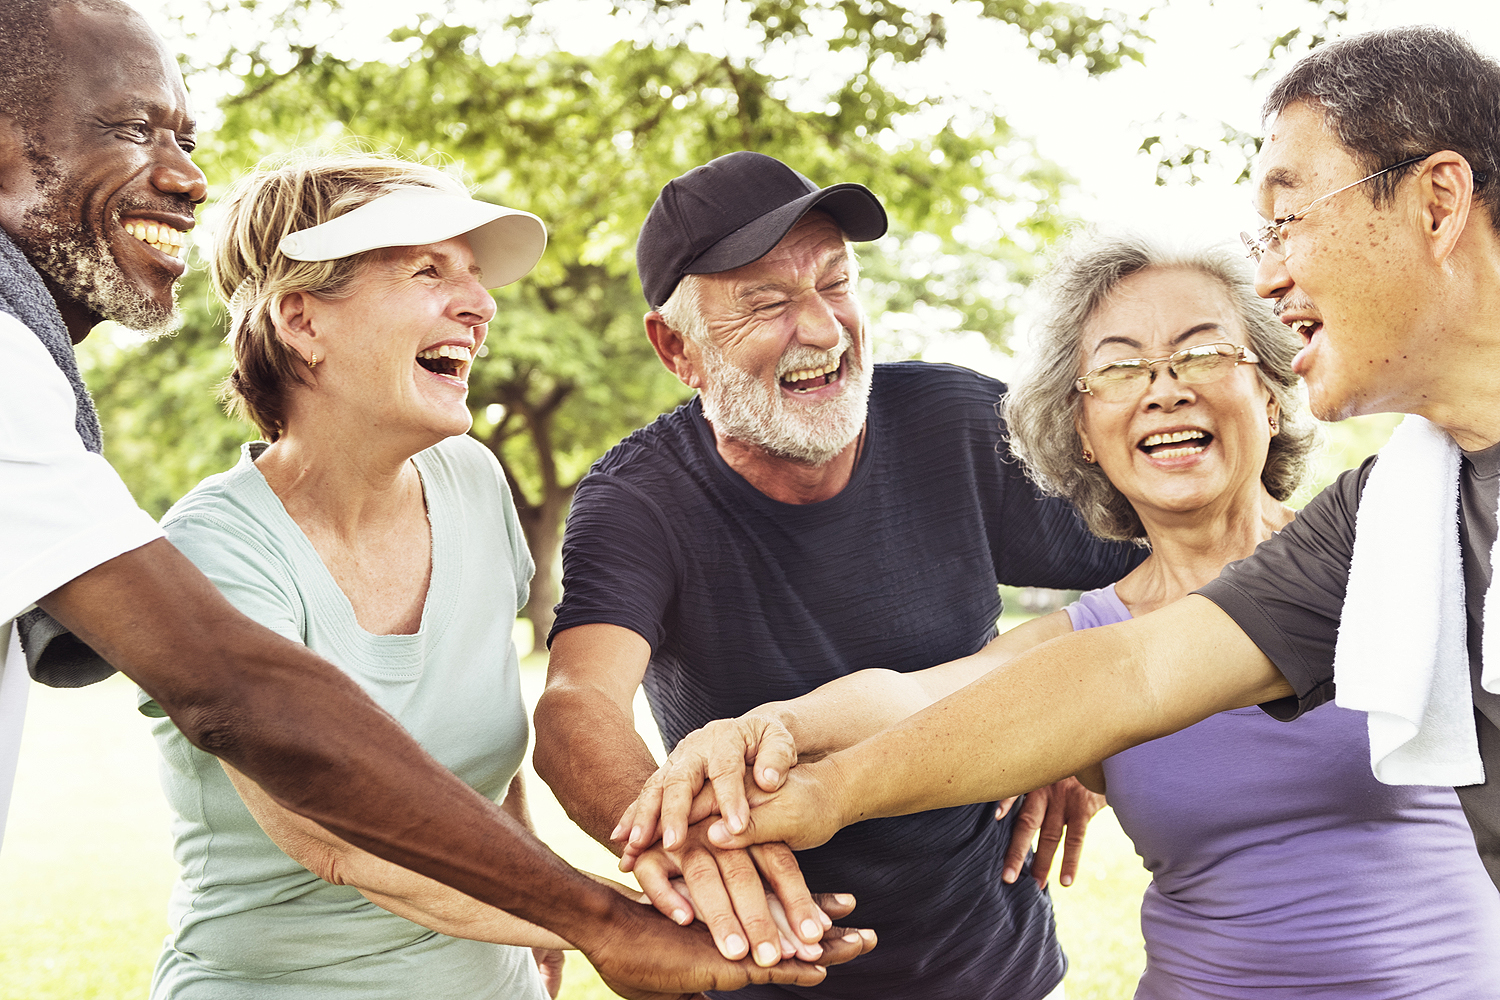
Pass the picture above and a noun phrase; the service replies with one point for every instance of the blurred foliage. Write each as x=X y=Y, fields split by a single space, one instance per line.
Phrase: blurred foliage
x=1183 y=146
x=585 y=141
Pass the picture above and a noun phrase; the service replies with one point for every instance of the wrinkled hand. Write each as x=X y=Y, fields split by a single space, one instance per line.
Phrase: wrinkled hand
x=835 y=905
x=645 y=957
x=715 y=759
x=1045 y=813
x=805 y=812
x=549 y=963
x=726 y=892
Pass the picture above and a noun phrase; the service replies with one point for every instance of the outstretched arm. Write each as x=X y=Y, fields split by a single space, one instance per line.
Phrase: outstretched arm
x=1046 y=714
x=304 y=732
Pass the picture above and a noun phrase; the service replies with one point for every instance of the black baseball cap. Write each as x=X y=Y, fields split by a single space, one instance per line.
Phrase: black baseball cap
x=733 y=210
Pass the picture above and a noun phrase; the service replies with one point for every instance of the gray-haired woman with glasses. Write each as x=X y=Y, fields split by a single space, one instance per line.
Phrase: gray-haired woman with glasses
x=1161 y=401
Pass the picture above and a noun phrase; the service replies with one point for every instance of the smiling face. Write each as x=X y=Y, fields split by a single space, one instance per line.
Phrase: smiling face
x=1345 y=277
x=394 y=353
x=101 y=193
x=1171 y=447
x=784 y=367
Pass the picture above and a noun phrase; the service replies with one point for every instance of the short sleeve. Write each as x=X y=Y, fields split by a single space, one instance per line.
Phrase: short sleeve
x=1288 y=596
x=619 y=561
x=251 y=577
x=63 y=509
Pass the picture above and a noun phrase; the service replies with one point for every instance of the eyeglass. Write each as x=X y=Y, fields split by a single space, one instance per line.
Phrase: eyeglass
x=1118 y=380
x=1270 y=237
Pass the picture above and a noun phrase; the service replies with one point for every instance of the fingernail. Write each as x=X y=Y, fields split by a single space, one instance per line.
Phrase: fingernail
x=734 y=946
x=851 y=936
x=669 y=839
x=635 y=833
x=680 y=916
x=844 y=898
x=767 y=954
x=820 y=968
x=615 y=833
x=736 y=823
x=1066 y=880
x=1008 y=876
x=771 y=776
x=718 y=831
x=810 y=930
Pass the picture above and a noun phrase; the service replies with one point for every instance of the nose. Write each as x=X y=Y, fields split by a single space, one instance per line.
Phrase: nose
x=818 y=324
x=1271 y=278
x=1165 y=392
x=472 y=304
x=175 y=173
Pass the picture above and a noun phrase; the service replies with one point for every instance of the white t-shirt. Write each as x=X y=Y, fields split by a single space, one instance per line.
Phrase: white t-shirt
x=63 y=509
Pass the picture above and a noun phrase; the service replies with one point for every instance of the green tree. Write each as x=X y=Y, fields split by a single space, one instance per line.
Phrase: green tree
x=586 y=141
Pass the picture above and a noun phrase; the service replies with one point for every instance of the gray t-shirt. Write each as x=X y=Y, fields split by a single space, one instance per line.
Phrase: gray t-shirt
x=1289 y=595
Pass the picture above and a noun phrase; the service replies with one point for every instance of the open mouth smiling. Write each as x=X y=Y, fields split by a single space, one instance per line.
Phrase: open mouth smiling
x=1305 y=328
x=808 y=379
x=449 y=360
x=158 y=236
x=1176 y=444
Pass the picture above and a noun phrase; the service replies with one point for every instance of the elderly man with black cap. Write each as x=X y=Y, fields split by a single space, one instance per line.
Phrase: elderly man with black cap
x=809 y=514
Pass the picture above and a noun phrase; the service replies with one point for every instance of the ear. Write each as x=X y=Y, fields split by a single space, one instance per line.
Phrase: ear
x=673 y=349
x=1085 y=445
x=294 y=323
x=1446 y=186
x=1273 y=413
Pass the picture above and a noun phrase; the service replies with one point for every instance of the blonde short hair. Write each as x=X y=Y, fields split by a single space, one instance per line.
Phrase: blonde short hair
x=251 y=276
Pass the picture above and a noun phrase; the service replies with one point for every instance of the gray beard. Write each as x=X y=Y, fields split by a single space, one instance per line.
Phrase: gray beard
x=77 y=259
x=744 y=408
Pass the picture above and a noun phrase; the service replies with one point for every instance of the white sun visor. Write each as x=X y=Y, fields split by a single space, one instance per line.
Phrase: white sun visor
x=506 y=242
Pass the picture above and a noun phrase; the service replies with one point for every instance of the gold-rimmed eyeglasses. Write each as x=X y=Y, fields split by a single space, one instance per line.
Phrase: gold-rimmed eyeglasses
x=1119 y=380
x=1270 y=236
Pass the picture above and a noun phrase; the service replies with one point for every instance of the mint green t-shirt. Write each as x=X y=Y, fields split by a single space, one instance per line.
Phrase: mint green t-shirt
x=247 y=921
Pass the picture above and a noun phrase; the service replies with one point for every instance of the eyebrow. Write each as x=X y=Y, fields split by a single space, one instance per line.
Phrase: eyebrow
x=1281 y=177
x=1131 y=342
x=838 y=259
x=414 y=255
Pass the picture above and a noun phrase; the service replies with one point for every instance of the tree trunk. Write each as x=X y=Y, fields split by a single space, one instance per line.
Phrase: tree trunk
x=543 y=526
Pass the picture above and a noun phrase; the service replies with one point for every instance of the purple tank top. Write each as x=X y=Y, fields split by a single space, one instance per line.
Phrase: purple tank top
x=1281 y=867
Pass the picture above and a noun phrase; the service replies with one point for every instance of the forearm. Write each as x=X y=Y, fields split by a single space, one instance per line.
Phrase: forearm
x=854 y=707
x=312 y=739
x=590 y=755
x=1052 y=711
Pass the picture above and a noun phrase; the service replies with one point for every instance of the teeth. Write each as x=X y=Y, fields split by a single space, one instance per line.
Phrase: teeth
x=1171 y=438
x=1304 y=326
x=158 y=236
x=447 y=351
x=806 y=373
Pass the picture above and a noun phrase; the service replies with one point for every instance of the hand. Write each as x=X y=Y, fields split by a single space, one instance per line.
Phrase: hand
x=806 y=812
x=642 y=956
x=549 y=962
x=1065 y=803
x=835 y=905
x=730 y=895
x=717 y=754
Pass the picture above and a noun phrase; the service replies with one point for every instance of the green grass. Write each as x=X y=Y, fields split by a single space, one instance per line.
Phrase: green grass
x=86 y=864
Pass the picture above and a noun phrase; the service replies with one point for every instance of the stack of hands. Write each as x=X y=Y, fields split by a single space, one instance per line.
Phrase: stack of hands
x=712 y=833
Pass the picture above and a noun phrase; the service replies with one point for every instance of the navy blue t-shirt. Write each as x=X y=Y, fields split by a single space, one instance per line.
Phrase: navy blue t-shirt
x=744 y=600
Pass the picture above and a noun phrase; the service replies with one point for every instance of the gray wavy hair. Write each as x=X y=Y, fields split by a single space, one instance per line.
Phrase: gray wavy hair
x=1041 y=409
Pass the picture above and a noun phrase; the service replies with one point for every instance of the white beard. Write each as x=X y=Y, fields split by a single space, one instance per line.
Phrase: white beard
x=744 y=407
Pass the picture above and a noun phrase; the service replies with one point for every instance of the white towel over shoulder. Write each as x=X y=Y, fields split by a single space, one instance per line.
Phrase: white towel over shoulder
x=1402 y=653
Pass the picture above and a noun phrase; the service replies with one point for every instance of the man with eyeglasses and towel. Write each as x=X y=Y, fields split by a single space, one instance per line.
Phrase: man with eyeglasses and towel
x=1382 y=251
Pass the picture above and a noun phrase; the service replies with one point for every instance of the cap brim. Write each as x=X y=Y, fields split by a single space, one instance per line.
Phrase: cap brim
x=506 y=242
x=853 y=206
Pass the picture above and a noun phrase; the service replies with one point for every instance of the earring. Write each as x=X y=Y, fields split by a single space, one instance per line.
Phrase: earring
x=1088 y=456
x=1275 y=427
x=314 y=362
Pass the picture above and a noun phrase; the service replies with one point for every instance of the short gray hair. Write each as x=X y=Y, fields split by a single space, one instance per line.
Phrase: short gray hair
x=1041 y=409
x=1400 y=93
